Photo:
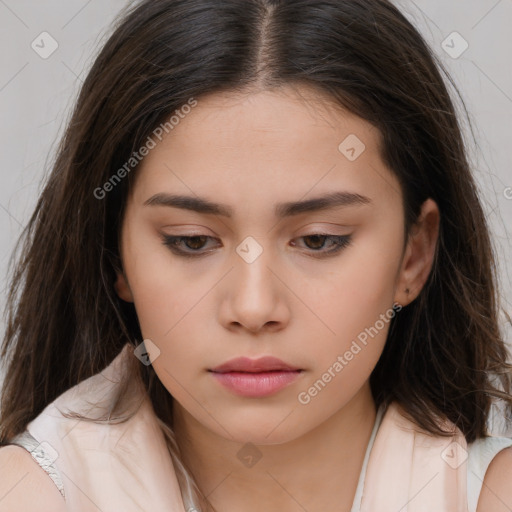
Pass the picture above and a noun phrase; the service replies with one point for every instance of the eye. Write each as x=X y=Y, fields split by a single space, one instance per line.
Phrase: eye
x=194 y=242
x=316 y=243
x=192 y=246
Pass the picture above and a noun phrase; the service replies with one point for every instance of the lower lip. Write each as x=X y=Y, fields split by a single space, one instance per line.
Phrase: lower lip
x=256 y=384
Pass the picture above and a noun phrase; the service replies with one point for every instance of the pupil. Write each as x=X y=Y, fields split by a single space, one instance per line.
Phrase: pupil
x=317 y=238
x=193 y=239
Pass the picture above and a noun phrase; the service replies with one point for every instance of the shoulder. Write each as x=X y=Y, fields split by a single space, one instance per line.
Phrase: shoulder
x=24 y=485
x=496 y=494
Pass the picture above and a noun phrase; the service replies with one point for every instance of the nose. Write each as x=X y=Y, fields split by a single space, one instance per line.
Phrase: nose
x=254 y=296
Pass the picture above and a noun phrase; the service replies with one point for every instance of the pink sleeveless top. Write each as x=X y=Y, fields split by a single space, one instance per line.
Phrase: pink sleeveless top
x=127 y=467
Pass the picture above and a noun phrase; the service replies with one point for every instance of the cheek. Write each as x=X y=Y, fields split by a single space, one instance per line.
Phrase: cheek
x=163 y=290
x=356 y=305
x=358 y=289
x=359 y=313
x=170 y=301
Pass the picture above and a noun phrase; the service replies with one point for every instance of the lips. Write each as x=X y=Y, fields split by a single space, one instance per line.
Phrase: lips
x=246 y=365
x=255 y=378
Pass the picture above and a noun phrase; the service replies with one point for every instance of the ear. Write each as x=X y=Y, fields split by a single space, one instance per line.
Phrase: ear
x=419 y=254
x=123 y=288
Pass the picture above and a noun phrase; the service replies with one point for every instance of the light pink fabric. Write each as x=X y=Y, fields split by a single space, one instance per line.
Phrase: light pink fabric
x=127 y=467
x=411 y=471
x=109 y=468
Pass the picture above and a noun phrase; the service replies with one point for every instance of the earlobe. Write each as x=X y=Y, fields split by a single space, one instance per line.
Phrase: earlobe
x=122 y=288
x=419 y=255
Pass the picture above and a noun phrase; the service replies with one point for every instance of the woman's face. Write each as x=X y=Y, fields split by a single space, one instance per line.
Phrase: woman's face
x=261 y=279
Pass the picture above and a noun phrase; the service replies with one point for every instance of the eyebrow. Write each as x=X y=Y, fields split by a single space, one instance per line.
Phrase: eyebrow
x=281 y=210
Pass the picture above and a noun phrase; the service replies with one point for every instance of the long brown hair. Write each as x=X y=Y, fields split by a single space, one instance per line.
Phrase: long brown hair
x=444 y=356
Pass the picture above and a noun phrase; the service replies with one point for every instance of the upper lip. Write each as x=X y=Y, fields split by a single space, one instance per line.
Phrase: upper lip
x=245 y=364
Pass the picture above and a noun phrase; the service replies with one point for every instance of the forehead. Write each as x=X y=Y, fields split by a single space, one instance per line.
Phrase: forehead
x=282 y=116
x=265 y=145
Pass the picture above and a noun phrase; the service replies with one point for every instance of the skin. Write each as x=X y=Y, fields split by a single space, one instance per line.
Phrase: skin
x=249 y=152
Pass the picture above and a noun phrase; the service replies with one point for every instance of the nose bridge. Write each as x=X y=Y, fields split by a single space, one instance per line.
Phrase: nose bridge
x=253 y=278
x=254 y=293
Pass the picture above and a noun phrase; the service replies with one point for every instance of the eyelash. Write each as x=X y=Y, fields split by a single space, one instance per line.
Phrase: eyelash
x=339 y=241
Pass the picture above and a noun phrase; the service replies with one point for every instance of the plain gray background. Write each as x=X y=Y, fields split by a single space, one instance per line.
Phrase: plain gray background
x=36 y=96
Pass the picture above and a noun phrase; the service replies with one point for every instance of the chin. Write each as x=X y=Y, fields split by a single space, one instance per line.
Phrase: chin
x=272 y=431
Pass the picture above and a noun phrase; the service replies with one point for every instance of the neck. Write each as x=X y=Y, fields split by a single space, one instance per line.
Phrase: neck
x=317 y=471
